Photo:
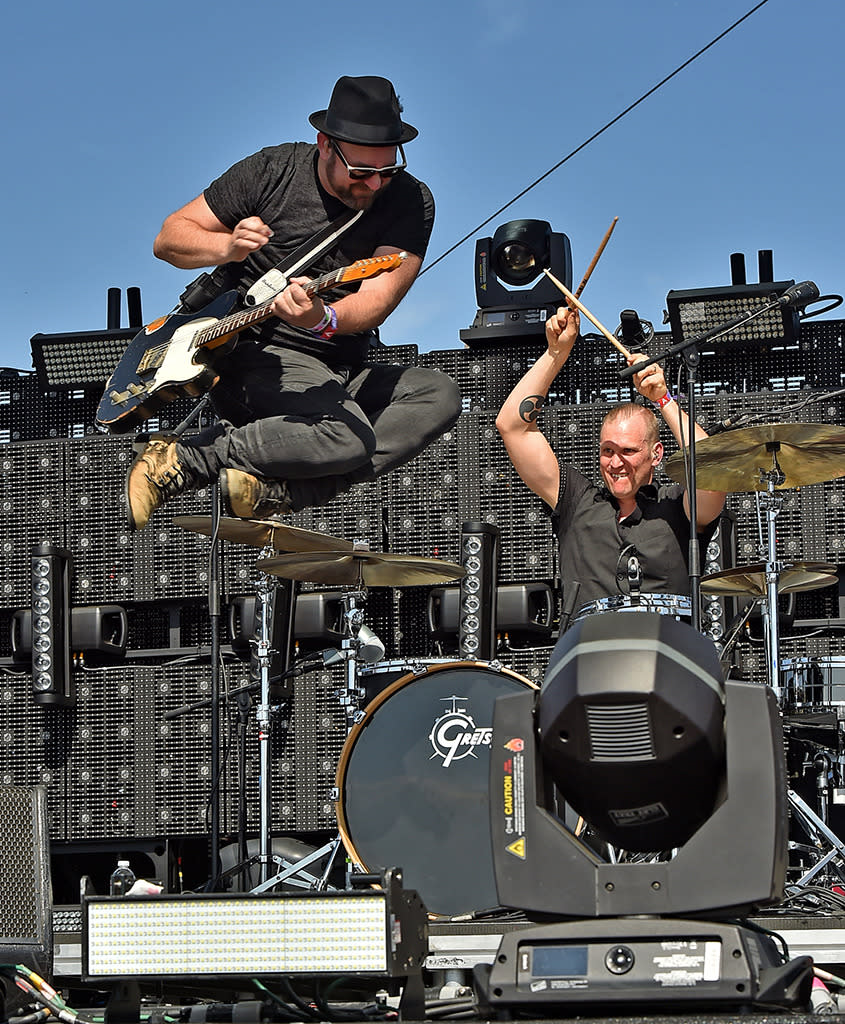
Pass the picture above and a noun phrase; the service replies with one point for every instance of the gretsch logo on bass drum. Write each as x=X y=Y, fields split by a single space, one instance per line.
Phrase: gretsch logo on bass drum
x=455 y=735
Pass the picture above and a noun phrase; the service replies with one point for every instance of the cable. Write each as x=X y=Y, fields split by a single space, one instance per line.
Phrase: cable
x=595 y=135
x=42 y=992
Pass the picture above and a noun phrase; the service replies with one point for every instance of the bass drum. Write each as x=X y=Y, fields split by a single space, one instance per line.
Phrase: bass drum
x=413 y=783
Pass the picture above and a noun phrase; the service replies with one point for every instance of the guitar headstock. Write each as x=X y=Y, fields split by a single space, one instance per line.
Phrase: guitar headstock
x=360 y=269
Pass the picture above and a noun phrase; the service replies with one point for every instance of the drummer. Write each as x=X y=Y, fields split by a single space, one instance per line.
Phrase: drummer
x=630 y=534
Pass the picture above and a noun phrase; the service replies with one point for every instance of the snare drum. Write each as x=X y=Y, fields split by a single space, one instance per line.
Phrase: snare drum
x=813 y=682
x=413 y=782
x=677 y=605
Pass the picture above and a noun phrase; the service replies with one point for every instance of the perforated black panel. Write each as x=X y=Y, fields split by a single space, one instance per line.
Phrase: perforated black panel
x=112 y=765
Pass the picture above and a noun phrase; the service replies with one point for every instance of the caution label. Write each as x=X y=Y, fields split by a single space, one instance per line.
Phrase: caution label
x=513 y=796
x=517 y=848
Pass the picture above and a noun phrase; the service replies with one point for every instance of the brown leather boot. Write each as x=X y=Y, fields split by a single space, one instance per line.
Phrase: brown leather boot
x=153 y=478
x=252 y=497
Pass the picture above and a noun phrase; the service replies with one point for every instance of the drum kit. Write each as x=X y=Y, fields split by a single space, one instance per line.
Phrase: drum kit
x=412 y=779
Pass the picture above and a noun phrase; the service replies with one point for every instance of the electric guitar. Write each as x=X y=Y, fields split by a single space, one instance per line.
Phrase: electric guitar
x=174 y=355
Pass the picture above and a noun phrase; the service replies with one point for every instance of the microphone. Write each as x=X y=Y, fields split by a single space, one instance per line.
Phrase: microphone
x=635 y=576
x=629 y=571
x=632 y=330
x=569 y=604
x=732 y=422
x=371 y=649
x=310 y=662
x=799 y=295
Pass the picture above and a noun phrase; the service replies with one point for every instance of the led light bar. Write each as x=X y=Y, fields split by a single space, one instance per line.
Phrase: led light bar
x=79 y=359
x=368 y=932
x=700 y=309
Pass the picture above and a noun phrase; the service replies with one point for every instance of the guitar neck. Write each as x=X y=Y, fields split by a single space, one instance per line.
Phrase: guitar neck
x=237 y=322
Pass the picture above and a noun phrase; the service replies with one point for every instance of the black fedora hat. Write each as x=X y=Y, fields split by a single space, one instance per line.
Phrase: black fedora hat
x=364 y=111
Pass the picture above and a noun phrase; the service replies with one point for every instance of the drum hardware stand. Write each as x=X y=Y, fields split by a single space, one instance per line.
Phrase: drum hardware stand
x=732 y=637
x=821 y=836
x=264 y=717
x=359 y=637
x=263 y=653
x=293 y=872
x=815 y=826
x=770 y=504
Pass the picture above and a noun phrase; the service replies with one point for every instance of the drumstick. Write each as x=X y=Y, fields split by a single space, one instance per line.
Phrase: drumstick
x=576 y=302
x=596 y=258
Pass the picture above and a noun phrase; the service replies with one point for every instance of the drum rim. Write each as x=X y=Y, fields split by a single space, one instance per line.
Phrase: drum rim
x=813 y=659
x=359 y=726
x=649 y=597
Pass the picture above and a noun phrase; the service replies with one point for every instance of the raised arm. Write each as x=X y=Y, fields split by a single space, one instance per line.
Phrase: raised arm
x=529 y=451
x=651 y=384
x=193 y=237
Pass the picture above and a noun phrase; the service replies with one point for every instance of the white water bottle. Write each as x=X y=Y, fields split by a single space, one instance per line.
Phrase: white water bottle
x=122 y=879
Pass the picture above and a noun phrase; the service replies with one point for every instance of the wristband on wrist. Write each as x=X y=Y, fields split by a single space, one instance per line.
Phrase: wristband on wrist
x=324 y=322
x=665 y=400
x=329 y=328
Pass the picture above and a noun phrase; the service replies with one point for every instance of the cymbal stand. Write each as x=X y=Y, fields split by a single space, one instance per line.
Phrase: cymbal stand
x=357 y=637
x=816 y=828
x=771 y=505
x=263 y=714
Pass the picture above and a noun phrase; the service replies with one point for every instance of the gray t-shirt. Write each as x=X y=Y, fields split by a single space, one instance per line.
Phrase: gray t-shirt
x=592 y=540
x=280 y=185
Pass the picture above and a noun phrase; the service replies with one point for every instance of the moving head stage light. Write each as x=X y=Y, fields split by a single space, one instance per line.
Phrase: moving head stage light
x=634 y=729
x=631 y=727
x=509 y=306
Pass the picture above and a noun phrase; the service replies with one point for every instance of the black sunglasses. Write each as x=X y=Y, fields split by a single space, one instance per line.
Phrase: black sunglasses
x=360 y=173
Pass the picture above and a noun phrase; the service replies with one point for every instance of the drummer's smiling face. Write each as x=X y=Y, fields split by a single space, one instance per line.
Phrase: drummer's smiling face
x=627 y=458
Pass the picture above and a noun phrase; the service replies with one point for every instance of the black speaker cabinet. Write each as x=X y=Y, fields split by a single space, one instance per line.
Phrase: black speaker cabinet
x=26 y=903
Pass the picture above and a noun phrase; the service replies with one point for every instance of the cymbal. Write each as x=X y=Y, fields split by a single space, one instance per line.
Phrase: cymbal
x=362 y=568
x=807 y=453
x=260 y=533
x=751 y=579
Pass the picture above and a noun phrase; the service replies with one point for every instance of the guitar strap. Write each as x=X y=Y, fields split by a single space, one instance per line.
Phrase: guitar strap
x=276 y=279
x=207 y=287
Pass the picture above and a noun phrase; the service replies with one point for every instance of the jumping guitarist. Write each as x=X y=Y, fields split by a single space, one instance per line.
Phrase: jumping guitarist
x=302 y=415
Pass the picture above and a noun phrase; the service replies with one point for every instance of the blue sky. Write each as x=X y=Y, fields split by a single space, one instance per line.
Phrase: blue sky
x=117 y=113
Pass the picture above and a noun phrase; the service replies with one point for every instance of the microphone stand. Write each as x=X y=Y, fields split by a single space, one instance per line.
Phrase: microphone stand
x=692 y=358
x=214 y=617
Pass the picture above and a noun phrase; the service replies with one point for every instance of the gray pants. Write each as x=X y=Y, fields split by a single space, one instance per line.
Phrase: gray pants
x=287 y=416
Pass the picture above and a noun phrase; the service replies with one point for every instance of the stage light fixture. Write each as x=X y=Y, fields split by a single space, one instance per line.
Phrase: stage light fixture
x=626 y=693
x=509 y=304
x=664 y=676
x=361 y=932
x=696 y=310
x=82 y=359
x=478 y=592
x=525 y=611
x=86 y=359
x=98 y=634
x=631 y=727
x=51 y=664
